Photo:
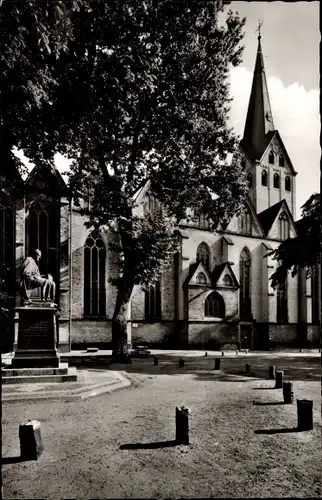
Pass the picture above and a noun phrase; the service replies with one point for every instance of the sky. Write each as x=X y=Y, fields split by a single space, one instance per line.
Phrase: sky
x=290 y=42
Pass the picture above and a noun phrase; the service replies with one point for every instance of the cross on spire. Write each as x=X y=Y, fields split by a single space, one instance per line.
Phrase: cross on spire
x=260 y=24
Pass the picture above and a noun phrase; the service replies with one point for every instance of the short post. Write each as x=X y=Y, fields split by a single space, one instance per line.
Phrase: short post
x=304 y=414
x=279 y=380
x=271 y=372
x=222 y=353
x=248 y=368
x=31 y=445
x=288 y=394
x=155 y=361
x=237 y=353
x=181 y=363
x=206 y=354
x=217 y=364
x=182 y=425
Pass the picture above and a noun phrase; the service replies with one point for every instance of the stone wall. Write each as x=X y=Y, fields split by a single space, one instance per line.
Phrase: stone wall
x=213 y=335
x=283 y=334
x=91 y=332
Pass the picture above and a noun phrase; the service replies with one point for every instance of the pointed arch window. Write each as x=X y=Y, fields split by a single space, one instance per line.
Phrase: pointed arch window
x=264 y=177
x=94 y=275
x=244 y=291
x=281 y=161
x=249 y=179
x=282 y=306
x=287 y=183
x=284 y=226
x=246 y=222
x=201 y=279
x=42 y=231
x=315 y=290
x=271 y=158
x=276 y=181
x=215 y=306
x=227 y=280
x=203 y=255
x=153 y=302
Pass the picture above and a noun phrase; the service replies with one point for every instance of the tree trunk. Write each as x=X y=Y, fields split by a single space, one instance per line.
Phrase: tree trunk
x=119 y=324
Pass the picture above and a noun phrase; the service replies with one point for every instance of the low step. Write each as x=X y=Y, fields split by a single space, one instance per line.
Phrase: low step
x=32 y=372
x=40 y=379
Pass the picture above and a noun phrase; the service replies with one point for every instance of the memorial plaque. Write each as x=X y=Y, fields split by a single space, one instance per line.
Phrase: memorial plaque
x=36 y=331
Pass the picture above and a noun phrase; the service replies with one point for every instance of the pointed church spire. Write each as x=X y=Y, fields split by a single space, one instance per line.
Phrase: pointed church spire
x=259 y=120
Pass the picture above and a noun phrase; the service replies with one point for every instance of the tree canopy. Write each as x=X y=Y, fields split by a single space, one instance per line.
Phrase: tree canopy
x=134 y=92
x=303 y=251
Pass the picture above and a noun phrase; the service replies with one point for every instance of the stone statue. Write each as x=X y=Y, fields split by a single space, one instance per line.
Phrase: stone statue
x=30 y=278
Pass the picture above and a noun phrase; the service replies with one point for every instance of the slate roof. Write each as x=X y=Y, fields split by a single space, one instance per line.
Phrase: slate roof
x=267 y=217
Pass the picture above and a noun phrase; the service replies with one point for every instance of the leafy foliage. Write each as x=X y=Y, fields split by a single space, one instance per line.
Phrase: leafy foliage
x=303 y=251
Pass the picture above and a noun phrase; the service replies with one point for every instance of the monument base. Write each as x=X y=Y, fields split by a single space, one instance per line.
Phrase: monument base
x=35 y=338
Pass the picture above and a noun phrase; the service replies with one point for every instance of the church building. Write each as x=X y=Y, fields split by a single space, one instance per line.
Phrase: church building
x=218 y=292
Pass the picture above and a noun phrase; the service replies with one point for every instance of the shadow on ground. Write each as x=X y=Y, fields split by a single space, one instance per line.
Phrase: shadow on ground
x=148 y=446
x=277 y=431
x=306 y=368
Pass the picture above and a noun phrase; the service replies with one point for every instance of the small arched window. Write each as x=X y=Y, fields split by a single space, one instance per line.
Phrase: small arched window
x=227 y=280
x=271 y=159
x=201 y=279
x=276 y=181
x=284 y=226
x=287 y=183
x=281 y=161
x=203 y=255
x=215 y=306
x=249 y=180
x=264 y=178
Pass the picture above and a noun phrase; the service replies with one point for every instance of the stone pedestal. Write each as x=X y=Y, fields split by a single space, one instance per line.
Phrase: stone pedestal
x=35 y=337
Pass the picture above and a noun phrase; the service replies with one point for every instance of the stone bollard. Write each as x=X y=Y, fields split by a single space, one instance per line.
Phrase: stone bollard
x=31 y=445
x=182 y=425
x=155 y=361
x=304 y=414
x=206 y=354
x=217 y=364
x=271 y=372
x=222 y=353
x=237 y=352
x=248 y=368
x=181 y=363
x=279 y=380
x=288 y=394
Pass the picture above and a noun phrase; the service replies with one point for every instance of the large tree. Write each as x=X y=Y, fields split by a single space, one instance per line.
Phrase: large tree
x=303 y=251
x=142 y=93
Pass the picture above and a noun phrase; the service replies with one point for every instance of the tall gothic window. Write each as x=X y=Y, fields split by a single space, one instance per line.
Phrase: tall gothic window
x=7 y=246
x=284 y=226
x=264 y=177
x=153 y=302
x=244 y=291
x=315 y=291
x=246 y=222
x=276 y=181
x=271 y=158
x=287 y=183
x=203 y=255
x=282 y=309
x=214 y=305
x=94 y=276
x=42 y=231
x=281 y=161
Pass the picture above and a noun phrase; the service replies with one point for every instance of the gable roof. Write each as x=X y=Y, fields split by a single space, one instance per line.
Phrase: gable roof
x=194 y=269
x=49 y=174
x=253 y=154
x=276 y=135
x=219 y=271
x=268 y=216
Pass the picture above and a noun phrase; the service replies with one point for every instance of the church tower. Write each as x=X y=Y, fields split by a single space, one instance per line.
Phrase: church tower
x=269 y=169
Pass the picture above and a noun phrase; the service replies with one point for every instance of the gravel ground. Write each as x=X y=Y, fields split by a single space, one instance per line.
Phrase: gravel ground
x=92 y=447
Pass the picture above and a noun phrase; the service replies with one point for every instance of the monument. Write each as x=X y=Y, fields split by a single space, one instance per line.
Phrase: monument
x=36 y=322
